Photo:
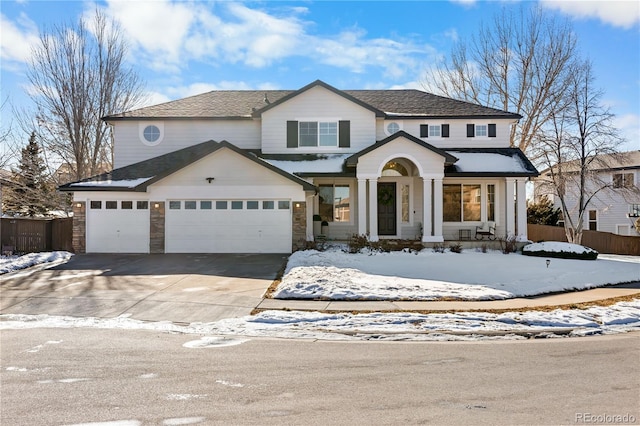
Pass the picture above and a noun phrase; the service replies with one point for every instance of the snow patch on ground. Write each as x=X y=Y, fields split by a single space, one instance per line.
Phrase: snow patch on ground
x=16 y=263
x=557 y=247
x=618 y=318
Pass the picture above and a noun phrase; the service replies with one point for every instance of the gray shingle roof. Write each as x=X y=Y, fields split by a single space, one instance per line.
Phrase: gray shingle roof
x=137 y=177
x=241 y=104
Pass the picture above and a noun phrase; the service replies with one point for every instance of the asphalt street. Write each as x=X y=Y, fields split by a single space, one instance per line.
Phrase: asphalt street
x=82 y=376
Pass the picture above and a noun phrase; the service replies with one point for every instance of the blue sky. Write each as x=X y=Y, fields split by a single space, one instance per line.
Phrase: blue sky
x=181 y=48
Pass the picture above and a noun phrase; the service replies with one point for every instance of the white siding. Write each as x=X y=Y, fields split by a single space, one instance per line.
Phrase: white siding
x=178 y=134
x=316 y=104
x=457 y=132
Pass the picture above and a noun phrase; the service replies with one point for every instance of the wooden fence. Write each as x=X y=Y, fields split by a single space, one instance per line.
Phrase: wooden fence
x=35 y=235
x=603 y=242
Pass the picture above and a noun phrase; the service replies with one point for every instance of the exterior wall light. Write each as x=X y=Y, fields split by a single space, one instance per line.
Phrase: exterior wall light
x=156 y=205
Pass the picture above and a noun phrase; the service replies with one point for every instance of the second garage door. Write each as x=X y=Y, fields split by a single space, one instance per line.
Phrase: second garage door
x=228 y=226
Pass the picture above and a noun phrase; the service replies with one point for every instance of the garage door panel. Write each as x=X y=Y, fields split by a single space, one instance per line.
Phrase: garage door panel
x=117 y=231
x=228 y=230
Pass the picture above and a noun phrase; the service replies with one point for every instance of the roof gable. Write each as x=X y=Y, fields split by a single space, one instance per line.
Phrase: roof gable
x=317 y=83
x=352 y=161
x=137 y=177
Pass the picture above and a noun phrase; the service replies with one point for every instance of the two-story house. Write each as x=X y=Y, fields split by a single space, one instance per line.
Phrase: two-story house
x=615 y=207
x=247 y=171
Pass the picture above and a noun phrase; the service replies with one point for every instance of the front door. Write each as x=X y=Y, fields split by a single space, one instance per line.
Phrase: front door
x=387 y=208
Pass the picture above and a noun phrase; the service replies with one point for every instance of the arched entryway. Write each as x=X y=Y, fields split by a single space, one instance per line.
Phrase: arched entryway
x=395 y=196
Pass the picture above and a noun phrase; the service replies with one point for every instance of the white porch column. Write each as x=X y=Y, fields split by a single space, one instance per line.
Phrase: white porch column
x=437 y=210
x=362 y=206
x=373 y=209
x=309 y=231
x=521 y=206
x=427 y=202
x=510 y=210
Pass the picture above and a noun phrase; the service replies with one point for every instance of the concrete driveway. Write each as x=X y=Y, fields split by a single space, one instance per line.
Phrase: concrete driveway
x=182 y=288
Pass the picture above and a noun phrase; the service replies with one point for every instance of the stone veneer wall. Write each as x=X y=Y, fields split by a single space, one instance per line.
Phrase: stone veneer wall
x=156 y=223
x=79 y=237
x=299 y=225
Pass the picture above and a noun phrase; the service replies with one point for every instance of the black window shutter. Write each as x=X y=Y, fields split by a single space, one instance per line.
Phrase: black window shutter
x=492 y=130
x=471 y=130
x=344 y=133
x=424 y=130
x=292 y=134
x=445 y=130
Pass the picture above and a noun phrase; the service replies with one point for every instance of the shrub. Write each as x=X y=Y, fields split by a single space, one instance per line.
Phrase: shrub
x=357 y=243
x=508 y=244
x=571 y=251
x=438 y=248
x=455 y=248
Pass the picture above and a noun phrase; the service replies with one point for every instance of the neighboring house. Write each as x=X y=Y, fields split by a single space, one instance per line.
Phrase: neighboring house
x=616 y=207
x=245 y=171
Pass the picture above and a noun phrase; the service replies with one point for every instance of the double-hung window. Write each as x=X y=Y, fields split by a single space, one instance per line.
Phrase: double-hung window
x=318 y=133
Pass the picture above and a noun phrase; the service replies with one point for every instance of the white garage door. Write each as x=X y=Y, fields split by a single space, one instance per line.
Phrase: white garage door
x=228 y=226
x=118 y=227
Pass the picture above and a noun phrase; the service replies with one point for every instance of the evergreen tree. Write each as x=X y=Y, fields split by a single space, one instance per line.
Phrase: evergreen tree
x=30 y=192
x=543 y=213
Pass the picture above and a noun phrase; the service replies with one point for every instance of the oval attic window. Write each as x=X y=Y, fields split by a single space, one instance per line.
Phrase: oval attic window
x=151 y=133
x=392 y=128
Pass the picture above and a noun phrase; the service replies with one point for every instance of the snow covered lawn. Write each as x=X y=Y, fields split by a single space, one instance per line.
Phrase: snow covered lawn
x=426 y=275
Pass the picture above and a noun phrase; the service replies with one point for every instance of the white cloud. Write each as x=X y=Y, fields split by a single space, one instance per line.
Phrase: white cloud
x=619 y=13
x=18 y=38
x=233 y=33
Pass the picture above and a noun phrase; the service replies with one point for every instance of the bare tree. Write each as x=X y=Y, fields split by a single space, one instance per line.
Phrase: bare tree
x=78 y=75
x=581 y=143
x=520 y=62
x=7 y=144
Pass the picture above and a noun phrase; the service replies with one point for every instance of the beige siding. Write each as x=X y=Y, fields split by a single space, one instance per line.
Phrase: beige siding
x=317 y=104
x=235 y=177
x=457 y=133
x=178 y=134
